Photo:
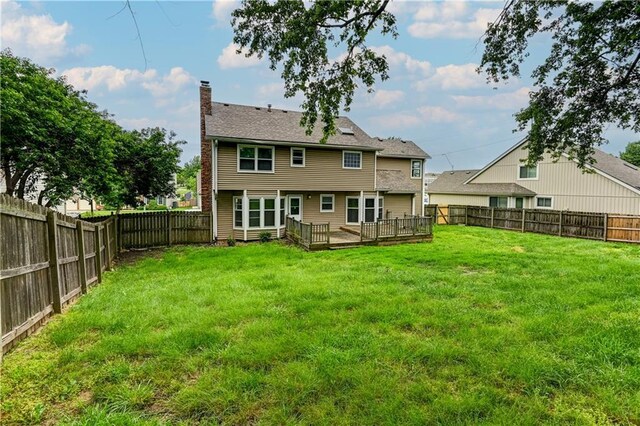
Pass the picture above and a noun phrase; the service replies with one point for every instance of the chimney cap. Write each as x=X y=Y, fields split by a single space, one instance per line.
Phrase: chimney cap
x=204 y=82
x=269 y=107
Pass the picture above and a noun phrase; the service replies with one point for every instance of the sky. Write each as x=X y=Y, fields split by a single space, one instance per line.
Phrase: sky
x=433 y=96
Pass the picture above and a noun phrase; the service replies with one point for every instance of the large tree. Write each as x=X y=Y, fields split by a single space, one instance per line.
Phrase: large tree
x=188 y=173
x=52 y=136
x=589 y=80
x=631 y=153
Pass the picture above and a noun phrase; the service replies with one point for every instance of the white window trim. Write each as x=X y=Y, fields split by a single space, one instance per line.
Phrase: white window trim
x=421 y=169
x=346 y=210
x=352 y=152
x=524 y=165
x=273 y=159
x=304 y=157
x=536 y=206
x=333 y=203
x=262 y=210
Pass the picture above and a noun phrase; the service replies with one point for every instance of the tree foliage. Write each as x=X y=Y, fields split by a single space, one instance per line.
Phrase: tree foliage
x=590 y=79
x=631 y=153
x=188 y=173
x=304 y=37
x=56 y=144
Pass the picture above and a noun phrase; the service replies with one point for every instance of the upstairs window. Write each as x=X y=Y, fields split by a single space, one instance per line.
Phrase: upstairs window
x=416 y=169
x=351 y=159
x=527 y=172
x=255 y=158
x=297 y=157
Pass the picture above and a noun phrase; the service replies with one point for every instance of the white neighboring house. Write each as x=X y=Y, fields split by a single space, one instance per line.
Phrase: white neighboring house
x=429 y=178
x=611 y=185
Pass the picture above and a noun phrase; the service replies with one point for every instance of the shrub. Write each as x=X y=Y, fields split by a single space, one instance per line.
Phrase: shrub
x=231 y=242
x=265 y=236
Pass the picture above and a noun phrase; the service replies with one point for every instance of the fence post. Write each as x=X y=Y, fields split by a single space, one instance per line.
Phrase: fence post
x=492 y=214
x=524 y=217
x=54 y=267
x=310 y=232
x=116 y=233
x=82 y=267
x=169 y=227
x=560 y=225
x=107 y=248
x=328 y=232
x=606 y=226
x=98 y=244
x=466 y=214
x=396 y=228
x=414 y=225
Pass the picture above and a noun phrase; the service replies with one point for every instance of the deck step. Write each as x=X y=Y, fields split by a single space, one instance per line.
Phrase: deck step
x=345 y=247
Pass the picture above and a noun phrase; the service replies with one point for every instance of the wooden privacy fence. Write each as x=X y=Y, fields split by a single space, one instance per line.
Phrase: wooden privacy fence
x=439 y=214
x=164 y=228
x=47 y=259
x=307 y=234
x=417 y=226
x=595 y=226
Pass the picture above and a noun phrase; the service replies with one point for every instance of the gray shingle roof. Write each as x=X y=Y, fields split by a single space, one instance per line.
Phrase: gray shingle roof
x=394 y=181
x=232 y=121
x=399 y=148
x=453 y=183
x=617 y=168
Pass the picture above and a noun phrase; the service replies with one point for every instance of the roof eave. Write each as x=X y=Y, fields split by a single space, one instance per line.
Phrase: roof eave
x=291 y=143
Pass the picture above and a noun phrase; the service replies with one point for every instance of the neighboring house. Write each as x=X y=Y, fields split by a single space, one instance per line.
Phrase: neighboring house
x=259 y=166
x=429 y=178
x=611 y=185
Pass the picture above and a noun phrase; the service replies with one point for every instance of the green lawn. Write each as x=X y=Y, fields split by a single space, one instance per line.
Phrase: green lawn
x=480 y=326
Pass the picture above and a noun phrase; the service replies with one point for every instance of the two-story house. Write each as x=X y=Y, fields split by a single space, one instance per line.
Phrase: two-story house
x=259 y=166
x=611 y=185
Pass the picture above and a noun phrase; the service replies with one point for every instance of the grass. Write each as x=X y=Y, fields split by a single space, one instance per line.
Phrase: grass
x=480 y=326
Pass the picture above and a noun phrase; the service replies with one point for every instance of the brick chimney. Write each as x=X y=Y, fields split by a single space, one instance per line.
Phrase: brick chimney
x=205 y=148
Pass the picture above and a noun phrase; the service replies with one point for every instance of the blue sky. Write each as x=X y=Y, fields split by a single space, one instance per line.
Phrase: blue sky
x=433 y=96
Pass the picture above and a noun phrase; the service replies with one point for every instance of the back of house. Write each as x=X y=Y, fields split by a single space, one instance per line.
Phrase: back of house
x=259 y=167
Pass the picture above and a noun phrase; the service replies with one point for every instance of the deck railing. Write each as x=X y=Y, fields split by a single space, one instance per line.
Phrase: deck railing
x=307 y=234
x=417 y=226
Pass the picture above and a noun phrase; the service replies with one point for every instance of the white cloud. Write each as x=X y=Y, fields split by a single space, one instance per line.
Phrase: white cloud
x=38 y=37
x=160 y=86
x=141 y=123
x=221 y=11
x=401 y=59
x=451 y=19
x=383 y=98
x=106 y=75
x=437 y=114
x=397 y=120
x=271 y=89
x=453 y=77
x=230 y=59
x=502 y=101
x=169 y=84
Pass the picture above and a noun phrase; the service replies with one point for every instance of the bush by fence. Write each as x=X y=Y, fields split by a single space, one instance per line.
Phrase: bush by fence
x=47 y=260
x=595 y=226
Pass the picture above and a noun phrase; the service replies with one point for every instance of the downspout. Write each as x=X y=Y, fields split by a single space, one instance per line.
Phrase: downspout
x=424 y=172
x=214 y=162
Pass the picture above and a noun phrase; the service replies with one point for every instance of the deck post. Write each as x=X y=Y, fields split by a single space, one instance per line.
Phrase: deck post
x=606 y=226
x=328 y=233
x=310 y=233
x=377 y=229
x=396 y=228
x=361 y=231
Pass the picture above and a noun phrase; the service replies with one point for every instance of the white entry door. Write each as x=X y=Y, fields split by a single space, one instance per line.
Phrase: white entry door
x=294 y=207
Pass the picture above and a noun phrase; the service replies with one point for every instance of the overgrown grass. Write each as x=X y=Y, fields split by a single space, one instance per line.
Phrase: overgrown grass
x=479 y=326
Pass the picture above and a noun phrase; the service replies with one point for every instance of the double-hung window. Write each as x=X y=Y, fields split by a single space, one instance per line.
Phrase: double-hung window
x=327 y=202
x=255 y=158
x=353 y=209
x=380 y=208
x=351 y=159
x=297 y=157
x=527 y=172
x=262 y=213
x=416 y=169
x=369 y=209
x=282 y=211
